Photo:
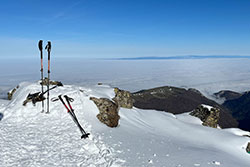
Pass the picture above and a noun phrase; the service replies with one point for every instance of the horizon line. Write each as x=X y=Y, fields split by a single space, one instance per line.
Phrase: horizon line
x=183 y=57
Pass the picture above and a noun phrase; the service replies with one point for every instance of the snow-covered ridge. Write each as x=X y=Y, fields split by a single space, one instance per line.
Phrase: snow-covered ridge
x=143 y=137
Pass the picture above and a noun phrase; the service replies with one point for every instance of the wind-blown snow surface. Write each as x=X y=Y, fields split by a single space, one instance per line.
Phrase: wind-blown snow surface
x=143 y=137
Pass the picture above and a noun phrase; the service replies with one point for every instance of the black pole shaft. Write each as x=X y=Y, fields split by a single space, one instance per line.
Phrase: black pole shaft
x=77 y=123
x=48 y=90
x=73 y=116
x=48 y=47
x=42 y=85
x=40 y=46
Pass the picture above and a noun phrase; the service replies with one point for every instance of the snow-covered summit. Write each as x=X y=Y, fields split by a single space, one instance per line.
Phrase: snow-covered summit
x=143 y=137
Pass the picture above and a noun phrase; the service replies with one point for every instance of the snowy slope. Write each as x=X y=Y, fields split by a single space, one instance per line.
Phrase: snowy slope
x=143 y=137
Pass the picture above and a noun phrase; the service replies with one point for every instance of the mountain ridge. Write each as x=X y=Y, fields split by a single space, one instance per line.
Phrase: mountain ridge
x=183 y=57
x=179 y=100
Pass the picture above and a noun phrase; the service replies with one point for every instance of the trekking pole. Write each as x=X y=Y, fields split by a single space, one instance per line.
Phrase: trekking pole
x=68 y=99
x=72 y=114
x=71 y=111
x=40 y=46
x=48 y=47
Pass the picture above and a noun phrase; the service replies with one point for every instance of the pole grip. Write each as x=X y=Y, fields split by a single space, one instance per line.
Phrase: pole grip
x=48 y=47
x=40 y=46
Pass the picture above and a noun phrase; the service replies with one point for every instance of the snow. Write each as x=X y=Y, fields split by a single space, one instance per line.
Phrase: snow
x=185 y=117
x=143 y=137
x=207 y=106
x=238 y=132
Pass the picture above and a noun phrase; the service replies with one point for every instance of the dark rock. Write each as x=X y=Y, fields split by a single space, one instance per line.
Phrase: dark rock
x=179 y=100
x=11 y=93
x=208 y=117
x=123 y=98
x=45 y=82
x=108 y=111
x=240 y=109
x=227 y=95
x=201 y=113
x=34 y=98
x=248 y=148
x=1 y=116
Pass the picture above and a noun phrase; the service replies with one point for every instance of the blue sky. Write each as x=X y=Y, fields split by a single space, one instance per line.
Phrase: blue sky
x=125 y=28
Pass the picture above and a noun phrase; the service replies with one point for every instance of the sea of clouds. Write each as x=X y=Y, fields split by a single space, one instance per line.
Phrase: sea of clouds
x=206 y=75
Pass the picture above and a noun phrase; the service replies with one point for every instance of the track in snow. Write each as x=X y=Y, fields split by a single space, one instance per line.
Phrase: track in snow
x=31 y=138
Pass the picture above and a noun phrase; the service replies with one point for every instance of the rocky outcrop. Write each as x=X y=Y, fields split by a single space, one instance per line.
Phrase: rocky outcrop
x=45 y=82
x=11 y=93
x=178 y=100
x=1 y=116
x=108 y=111
x=209 y=116
x=248 y=147
x=123 y=98
x=34 y=98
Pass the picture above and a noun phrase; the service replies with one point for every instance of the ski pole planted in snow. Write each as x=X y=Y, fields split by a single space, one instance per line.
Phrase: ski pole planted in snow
x=40 y=46
x=72 y=114
x=48 y=48
x=68 y=99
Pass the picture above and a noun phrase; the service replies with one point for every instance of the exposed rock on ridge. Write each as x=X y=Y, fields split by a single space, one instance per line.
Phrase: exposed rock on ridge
x=108 y=111
x=51 y=82
x=248 y=148
x=123 y=98
x=209 y=117
x=11 y=93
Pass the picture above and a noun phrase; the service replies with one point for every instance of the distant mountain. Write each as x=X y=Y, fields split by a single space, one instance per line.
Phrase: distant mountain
x=240 y=108
x=178 y=100
x=184 y=57
x=227 y=94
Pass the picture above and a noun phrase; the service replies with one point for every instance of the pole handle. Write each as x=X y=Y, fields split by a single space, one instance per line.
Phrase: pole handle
x=40 y=45
x=48 y=48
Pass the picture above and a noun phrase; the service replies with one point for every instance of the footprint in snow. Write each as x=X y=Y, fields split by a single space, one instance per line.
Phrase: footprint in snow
x=150 y=161
x=216 y=163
